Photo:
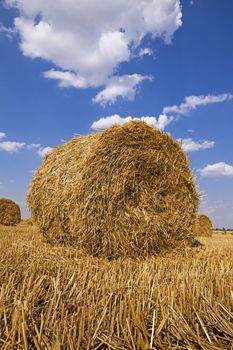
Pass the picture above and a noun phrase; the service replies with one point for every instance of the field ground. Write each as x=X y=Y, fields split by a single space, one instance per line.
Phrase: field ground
x=57 y=298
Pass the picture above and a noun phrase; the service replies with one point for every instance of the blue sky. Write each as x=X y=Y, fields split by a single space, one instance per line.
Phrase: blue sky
x=77 y=66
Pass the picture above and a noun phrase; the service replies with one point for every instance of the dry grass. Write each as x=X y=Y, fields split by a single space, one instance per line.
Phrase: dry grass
x=218 y=241
x=58 y=298
x=126 y=191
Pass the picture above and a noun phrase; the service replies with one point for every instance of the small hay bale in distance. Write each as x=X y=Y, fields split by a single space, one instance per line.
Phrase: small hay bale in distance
x=125 y=191
x=26 y=222
x=203 y=226
x=10 y=214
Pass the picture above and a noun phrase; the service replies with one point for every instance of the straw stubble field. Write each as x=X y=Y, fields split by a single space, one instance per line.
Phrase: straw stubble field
x=58 y=298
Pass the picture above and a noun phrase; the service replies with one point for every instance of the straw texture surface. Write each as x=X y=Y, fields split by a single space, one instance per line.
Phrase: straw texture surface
x=9 y=212
x=203 y=226
x=126 y=191
x=27 y=222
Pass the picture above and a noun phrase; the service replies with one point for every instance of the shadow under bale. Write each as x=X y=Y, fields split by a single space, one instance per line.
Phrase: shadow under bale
x=125 y=191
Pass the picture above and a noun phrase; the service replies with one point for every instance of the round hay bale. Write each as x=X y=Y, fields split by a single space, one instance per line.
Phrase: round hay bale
x=26 y=222
x=203 y=226
x=9 y=212
x=126 y=191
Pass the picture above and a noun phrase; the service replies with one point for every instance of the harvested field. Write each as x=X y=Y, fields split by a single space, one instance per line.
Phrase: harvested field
x=59 y=298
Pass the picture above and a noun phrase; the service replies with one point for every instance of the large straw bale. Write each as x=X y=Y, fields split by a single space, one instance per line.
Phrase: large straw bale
x=9 y=212
x=125 y=191
x=203 y=226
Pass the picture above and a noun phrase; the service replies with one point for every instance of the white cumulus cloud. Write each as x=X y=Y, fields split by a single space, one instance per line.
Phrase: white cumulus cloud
x=103 y=123
x=190 y=145
x=2 y=135
x=124 y=86
x=146 y=51
x=66 y=79
x=33 y=146
x=41 y=151
x=217 y=169
x=87 y=40
x=192 y=102
x=8 y=32
x=11 y=146
x=14 y=146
